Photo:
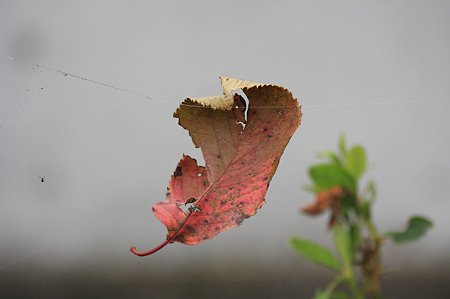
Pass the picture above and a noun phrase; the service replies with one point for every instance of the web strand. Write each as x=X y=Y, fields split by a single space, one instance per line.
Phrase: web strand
x=28 y=97
x=67 y=74
x=141 y=95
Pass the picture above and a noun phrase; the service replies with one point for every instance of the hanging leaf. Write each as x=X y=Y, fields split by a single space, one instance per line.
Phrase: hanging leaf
x=241 y=151
x=417 y=227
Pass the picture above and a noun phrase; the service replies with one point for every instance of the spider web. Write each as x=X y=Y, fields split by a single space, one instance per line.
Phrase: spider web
x=31 y=102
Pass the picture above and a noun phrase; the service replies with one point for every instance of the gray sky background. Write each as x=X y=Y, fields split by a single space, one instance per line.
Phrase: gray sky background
x=381 y=70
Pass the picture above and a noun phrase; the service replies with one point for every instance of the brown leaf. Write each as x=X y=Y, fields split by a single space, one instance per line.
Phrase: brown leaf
x=328 y=199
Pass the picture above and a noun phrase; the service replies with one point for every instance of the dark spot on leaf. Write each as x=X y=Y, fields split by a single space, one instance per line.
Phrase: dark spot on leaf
x=266 y=178
x=265 y=129
x=191 y=200
x=240 y=205
x=239 y=219
x=177 y=172
x=180 y=238
x=269 y=136
x=191 y=229
x=205 y=221
x=218 y=156
x=242 y=162
x=167 y=194
x=217 y=228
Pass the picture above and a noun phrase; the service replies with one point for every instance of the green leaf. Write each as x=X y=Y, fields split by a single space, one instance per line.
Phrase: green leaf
x=371 y=190
x=315 y=252
x=343 y=244
x=342 y=144
x=417 y=227
x=331 y=156
x=365 y=209
x=339 y=295
x=326 y=176
x=322 y=294
x=354 y=238
x=348 y=205
x=329 y=294
x=311 y=188
x=355 y=161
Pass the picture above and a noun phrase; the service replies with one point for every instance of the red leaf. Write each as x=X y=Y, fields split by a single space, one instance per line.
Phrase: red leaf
x=240 y=160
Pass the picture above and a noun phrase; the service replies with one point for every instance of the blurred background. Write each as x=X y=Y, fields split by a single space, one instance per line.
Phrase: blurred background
x=378 y=71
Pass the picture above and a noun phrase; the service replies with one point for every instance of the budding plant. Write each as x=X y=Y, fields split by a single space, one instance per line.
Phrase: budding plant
x=358 y=243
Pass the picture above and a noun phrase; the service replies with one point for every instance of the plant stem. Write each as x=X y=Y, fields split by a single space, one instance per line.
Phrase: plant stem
x=334 y=284
x=371 y=262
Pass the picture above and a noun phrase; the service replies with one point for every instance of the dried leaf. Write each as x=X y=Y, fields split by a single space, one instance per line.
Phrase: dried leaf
x=241 y=157
x=328 y=199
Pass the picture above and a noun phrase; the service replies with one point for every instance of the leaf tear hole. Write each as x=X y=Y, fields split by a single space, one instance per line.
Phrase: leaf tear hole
x=193 y=208
x=245 y=103
x=189 y=206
